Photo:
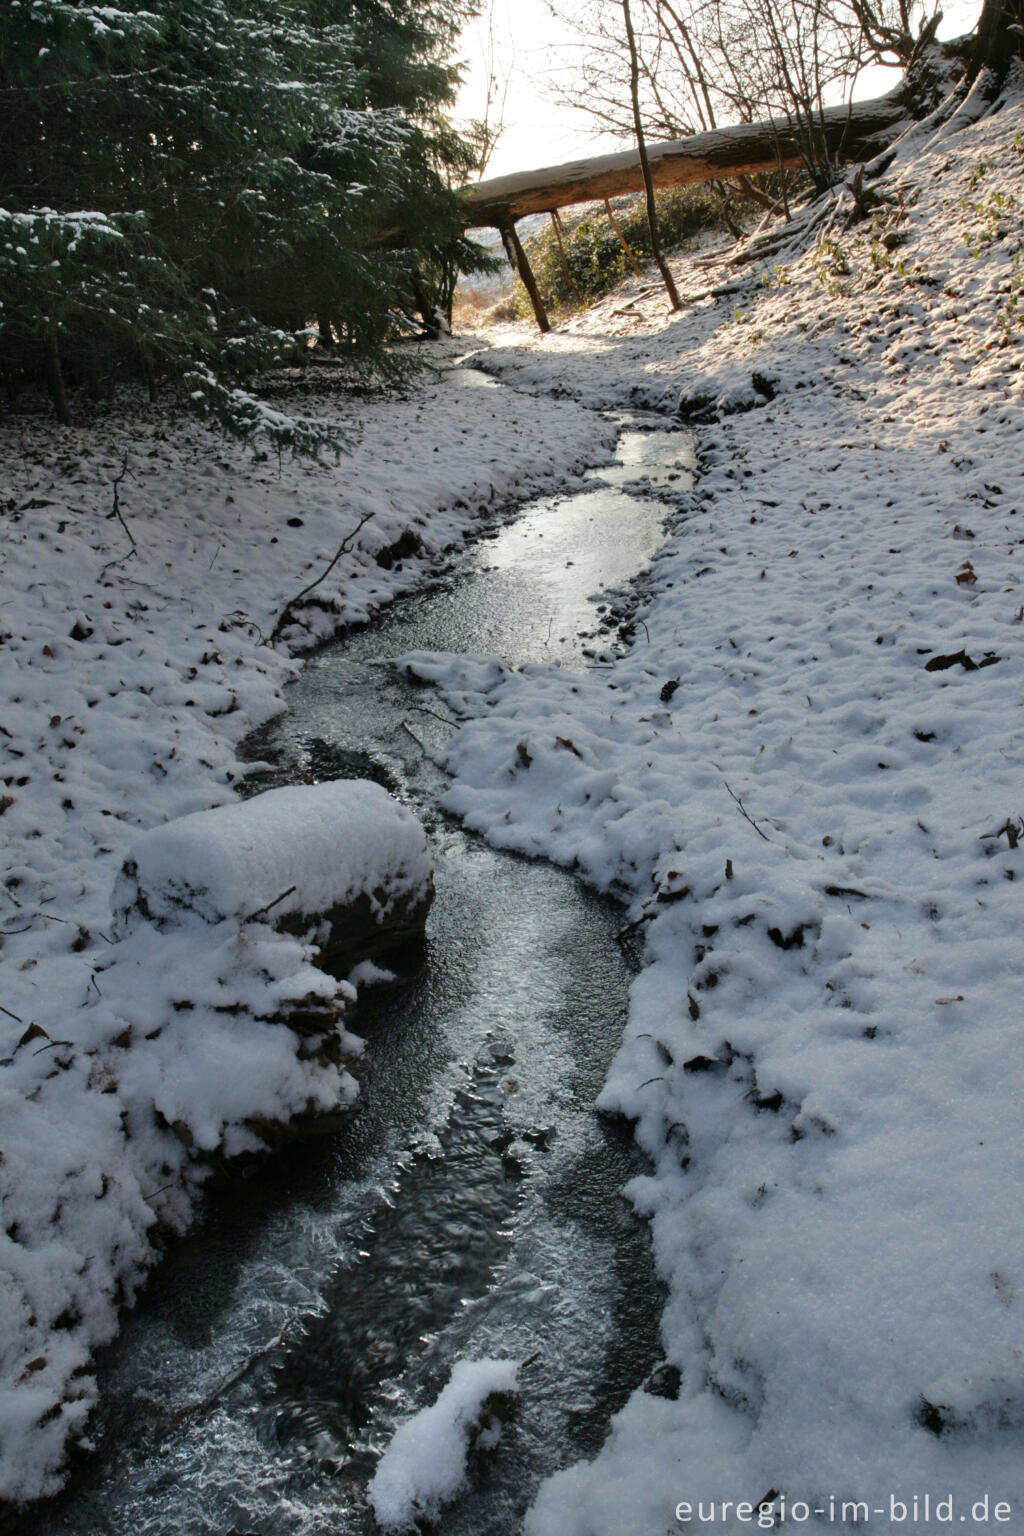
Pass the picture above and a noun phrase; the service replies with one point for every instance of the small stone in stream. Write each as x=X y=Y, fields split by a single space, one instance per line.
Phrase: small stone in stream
x=698 y=407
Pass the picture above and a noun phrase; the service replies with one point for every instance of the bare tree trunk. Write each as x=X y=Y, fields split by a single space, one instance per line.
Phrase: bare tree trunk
x=425 y=305
x=763 y=199
x=721 y=191
x=613 y=221
x=557 y=226
x=652 y=213
x=518 y=259
x=998 y=40
x=55 y=377
x=93 y=377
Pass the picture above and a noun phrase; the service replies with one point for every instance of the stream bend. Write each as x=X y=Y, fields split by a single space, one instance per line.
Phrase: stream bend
x=471 y=1206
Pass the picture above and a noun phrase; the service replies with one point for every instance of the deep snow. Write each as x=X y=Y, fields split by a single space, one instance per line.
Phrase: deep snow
x=296 y=852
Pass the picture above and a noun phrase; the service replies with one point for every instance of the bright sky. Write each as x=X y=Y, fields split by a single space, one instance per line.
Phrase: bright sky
x=531 y=48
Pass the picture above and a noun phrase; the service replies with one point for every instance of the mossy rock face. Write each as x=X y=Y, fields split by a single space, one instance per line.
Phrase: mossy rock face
x=738 y=394
x=407 y=544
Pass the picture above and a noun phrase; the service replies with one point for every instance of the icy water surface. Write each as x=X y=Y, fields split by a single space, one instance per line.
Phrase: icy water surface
x=471 y=1207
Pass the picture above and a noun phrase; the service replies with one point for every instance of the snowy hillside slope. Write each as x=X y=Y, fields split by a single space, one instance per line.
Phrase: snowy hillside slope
x=145 y=563
x=807 y=778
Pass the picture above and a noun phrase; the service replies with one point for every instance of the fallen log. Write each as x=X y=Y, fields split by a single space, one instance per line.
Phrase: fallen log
x=851 y=133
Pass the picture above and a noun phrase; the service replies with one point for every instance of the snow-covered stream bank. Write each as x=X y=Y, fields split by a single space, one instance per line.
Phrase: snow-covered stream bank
x=808 y=776
x=472 y=1209
x=270 y=1364
x=144 y=563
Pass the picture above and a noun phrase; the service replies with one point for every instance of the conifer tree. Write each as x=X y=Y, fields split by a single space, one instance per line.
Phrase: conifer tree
x=184 y=188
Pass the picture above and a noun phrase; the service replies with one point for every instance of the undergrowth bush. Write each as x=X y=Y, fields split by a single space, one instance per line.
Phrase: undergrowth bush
x=594 y=253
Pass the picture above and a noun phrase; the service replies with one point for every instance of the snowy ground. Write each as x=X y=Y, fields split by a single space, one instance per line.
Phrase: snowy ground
x=805 y=777
x=135 y=658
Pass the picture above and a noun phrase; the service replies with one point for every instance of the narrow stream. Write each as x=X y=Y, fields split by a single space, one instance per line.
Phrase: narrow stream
x=471 y=1206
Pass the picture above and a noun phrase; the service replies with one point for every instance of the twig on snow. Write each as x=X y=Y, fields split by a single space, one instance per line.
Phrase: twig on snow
x=343 y=549
x=745 y=812
x=162 y=1190
x=410 y=732
x=262 y=911
x=115 y=511
x=443 y=718
x=623 y=933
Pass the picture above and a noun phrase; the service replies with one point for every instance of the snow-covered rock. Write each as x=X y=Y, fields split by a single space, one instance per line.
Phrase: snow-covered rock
x=345 y=852
x=425 y=1464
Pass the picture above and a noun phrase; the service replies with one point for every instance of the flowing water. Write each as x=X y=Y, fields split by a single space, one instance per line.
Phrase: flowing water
x=471 y=1206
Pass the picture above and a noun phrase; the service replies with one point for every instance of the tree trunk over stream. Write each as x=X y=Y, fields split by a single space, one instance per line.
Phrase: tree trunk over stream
x=852 y=133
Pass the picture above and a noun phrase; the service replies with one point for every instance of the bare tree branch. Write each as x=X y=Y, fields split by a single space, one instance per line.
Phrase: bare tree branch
x=287 y=614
